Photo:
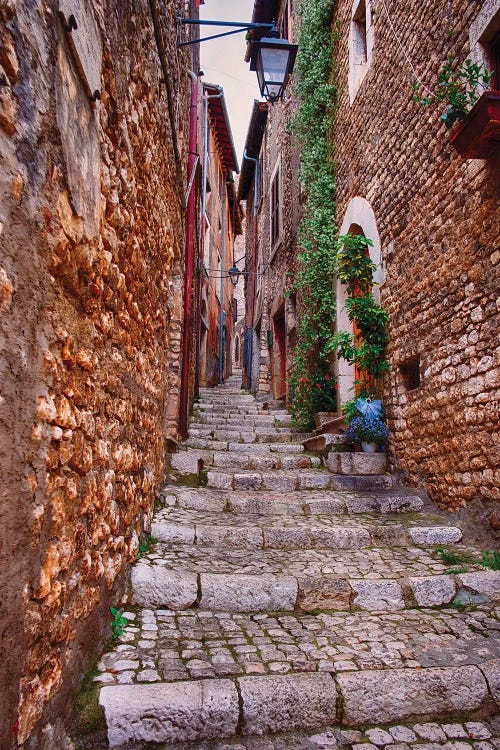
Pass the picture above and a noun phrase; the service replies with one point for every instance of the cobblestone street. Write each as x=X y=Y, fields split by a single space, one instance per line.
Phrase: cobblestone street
x=297 y=617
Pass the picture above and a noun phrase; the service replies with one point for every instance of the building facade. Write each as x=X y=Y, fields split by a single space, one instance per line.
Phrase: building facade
x=221 y=225
x=94 y=199
x=432 y=216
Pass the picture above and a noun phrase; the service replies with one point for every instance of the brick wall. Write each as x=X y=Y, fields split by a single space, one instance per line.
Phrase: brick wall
x=91 y=229
x=438 y=220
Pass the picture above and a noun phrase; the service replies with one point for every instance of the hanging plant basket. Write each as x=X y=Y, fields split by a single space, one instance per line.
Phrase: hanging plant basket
x=478 y=136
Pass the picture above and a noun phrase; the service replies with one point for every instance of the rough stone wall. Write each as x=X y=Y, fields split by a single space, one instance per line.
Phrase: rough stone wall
x=438 y=219
x=91 y=233
x=277 y=265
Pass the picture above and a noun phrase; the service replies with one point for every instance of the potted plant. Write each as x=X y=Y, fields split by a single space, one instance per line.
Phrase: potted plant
x=470 y=103
x=319 y=394
x=366 y=425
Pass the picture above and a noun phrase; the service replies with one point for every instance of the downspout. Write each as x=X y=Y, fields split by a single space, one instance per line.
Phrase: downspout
x=253 y=270
x=189 y=258
x=222 y=289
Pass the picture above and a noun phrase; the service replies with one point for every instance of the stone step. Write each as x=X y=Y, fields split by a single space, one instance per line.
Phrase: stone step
x=323 y=532
x=270 y=459
x=321 y=442
x=288 y=481
x=376 y=579
x=307 y=504
x=356 y=463
x=196 y=676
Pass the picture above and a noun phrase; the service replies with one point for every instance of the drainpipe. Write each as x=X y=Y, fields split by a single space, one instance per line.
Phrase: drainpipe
x=189 y=259
x=222 y=289
x=254 y=262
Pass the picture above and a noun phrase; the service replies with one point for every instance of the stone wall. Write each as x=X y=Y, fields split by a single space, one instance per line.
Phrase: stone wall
x=439 y=225
x=91 y=232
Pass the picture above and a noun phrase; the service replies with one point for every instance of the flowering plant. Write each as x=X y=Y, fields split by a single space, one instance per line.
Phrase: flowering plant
x=367 y=425
x=314 y=394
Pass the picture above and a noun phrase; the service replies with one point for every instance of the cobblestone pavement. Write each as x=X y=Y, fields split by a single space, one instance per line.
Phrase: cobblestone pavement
x=368 y=564
x=164 y=645
x=273 y=619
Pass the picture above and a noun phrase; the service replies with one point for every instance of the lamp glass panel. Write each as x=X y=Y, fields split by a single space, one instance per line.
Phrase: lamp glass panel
x=274 y=64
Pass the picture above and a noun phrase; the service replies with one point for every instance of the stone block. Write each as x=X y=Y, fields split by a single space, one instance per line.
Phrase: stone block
x=280 y=481
x=283 y=703
x=287 y=538
x=360 y=464
x=247 y=481
x=340 y=537
x=491 y=670
x=172 y=533
x=168 y=713
x=230 y=537
x=324 y=592
x=435 y=534
x=485 y=582
x=186 y=462
x=219 y=480
x=326 y=506
x=314 y=480
x=384 y=696
x=433 y=591
x=385 y=596
x=248 y=593
x=155 y=586
x=194 y=499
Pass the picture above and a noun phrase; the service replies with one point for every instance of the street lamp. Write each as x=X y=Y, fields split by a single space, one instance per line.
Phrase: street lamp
x=272 y=58
x=234 y=274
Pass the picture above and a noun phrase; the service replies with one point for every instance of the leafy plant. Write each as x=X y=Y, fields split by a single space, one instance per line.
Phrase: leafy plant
x=146 y=545
x=313 y=281
x=355 y=270
x=118 y=623
x=490 y=559
x=460 y=87
x=450 y=557
x=321 y=391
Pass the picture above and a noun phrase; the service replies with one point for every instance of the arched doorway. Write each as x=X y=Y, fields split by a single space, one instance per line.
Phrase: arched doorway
x=359 y=219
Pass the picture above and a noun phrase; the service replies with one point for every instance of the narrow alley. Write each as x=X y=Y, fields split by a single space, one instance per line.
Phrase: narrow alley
x=250 y=375
x=278 y=597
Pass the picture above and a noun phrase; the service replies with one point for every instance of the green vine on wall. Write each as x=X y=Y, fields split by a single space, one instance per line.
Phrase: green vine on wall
x=355 y=270
x=317 y=232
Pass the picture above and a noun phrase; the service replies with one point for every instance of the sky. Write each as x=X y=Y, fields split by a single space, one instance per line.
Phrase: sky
x=222 y=61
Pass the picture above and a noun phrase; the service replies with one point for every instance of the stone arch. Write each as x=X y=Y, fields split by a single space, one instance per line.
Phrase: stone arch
x=359 y=218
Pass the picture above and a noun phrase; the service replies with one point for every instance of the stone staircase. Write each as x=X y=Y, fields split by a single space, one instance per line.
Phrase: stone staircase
x=280 y=597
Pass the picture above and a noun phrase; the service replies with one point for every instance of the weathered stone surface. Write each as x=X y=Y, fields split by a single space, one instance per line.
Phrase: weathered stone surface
x=326 y=592
x=486 y=582
x=172 y=532
x=247 y=481
x=491 y=670
x=433 y=591
x=229 y=536
x=155 y=586
x=435 y=534
x=186 y=462
x=283 y=703
x=378 y=595
x=398 y=694
x=356 y=463
x=247 y=593
x=219 y=481
x=176 y=712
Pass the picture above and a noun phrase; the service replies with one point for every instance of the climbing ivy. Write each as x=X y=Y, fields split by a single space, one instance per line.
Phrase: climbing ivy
x=316 y=94
x=355 y=270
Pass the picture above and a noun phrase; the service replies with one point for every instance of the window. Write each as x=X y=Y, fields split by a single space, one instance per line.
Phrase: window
x=275 y=206
x=284 y=25
x=235 y=310
x=484 y=37
x=410 y=373
x=360 y=45
x=494 y=55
